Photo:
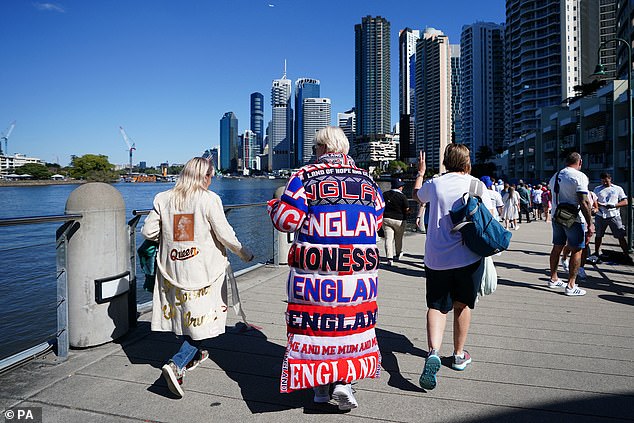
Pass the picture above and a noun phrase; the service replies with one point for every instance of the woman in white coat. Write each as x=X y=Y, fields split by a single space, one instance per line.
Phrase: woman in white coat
x=511 y=208
x=189 y=223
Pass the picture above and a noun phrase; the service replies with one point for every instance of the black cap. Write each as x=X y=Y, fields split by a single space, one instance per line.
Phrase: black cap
x=397 y=183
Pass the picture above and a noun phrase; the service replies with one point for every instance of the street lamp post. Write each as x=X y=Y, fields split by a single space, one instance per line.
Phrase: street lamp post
x=599 y=70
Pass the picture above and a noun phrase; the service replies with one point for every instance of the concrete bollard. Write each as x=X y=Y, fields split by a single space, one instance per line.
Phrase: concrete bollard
x=282 y=240
x=98 y=266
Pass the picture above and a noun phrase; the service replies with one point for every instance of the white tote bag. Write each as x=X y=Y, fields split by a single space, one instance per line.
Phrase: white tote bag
x=489 y=277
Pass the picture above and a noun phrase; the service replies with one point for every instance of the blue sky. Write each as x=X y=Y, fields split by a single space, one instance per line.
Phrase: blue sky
x=74 y=71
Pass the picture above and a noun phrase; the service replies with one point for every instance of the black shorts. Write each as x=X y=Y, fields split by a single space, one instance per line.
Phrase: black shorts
x=446 y=286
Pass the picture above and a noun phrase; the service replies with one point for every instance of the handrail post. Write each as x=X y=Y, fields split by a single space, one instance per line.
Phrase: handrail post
x=132 y=308
x=61 y=248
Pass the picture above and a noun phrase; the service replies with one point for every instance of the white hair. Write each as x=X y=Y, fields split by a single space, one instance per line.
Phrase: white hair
x=333 y=139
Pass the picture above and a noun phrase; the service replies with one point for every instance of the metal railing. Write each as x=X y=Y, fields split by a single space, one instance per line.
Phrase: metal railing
x=63 y=233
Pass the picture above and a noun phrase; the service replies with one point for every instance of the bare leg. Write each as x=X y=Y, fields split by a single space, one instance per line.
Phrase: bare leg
x=575 y=261
x=436 y=321
x=461 y=322
x=554 y=260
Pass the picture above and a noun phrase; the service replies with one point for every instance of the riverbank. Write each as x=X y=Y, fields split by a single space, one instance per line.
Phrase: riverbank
x=38 y=183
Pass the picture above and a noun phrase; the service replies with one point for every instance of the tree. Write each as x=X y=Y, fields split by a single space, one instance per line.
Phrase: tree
x=36 y=170
x=93 y=167
x=396 y=166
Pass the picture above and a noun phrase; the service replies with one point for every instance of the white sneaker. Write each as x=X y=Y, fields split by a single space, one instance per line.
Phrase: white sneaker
x=593 y=259
x=400 y=256
x=581 y=273
x=564 y=264
x=516 y=227
x=575 y=291
x=322 y=394
x=344 y=397
x=390 y=263
x=556 y=284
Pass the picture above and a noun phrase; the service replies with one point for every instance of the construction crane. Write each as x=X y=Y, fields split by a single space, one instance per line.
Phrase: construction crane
x=131 y=148
x=5 y=137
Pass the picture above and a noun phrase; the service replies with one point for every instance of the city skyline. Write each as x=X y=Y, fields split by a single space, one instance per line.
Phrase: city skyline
x=167 y=73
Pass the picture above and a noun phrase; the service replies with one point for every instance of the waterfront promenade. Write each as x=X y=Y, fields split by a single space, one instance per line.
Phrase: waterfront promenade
x=538 y=356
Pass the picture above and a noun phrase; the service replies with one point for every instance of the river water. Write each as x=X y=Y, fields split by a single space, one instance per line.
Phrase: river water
x=28 y=272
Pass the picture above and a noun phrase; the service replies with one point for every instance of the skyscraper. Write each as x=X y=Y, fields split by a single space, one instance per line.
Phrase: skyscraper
x=257 y=117
x=607 y=31
x=482 y=86
x=281 y=136
x=545 y=56
x=624 y=30
x=433 y=96
x=304 y=88
x=316 y=115
x=250 y=150
x=347 y=122
x=456 y=122
x=372 y=88
x=406 y=90
x=229 y=142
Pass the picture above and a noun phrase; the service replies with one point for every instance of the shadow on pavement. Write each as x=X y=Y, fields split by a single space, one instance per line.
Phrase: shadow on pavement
x=596 y=408
x=389 y=343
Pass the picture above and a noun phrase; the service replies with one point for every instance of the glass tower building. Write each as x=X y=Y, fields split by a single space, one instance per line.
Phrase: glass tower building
x=257 y=117
x=406 y=88
x=229 y=142
x=316 y=115
x=304 y=88
x=281 y=129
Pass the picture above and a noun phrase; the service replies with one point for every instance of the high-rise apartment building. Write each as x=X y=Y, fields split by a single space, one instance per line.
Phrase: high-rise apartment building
x=406 y=91
x=347 y=122
x=607 y=31
x=229 y=142
x=545 y=56
x=456 y=122
x=316 y=114
x=304 y=88
x=433 y=96
x=372 y=88
x=281 y=135
x=624 y=30
x=257 y=117
x=482 y=86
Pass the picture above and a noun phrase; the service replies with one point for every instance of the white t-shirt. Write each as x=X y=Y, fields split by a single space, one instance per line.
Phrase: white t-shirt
x=571 y=182
x=444 y=249
x=609 y=195
x=496 y=201
x=537 y=196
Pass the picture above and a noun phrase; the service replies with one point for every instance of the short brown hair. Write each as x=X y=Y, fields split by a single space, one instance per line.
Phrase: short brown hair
x=457 y=158
x=573 y=158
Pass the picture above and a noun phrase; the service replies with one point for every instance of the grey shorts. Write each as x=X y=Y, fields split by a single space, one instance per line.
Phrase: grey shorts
x=615 y=223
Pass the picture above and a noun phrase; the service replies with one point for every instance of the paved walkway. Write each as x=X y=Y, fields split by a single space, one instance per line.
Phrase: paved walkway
x=537 y=356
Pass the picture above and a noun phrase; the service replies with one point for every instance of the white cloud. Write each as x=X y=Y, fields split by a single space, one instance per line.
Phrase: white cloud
x=49 y=7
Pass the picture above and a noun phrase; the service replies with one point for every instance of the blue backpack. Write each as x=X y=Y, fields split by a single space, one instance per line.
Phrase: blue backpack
x=481 y=233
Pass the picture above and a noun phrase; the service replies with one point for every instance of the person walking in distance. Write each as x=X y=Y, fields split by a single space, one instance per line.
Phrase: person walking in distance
x=450 y=266
x=570 y=186
x=525 y=202
x=335 y=209
x=609 y=198
x=189 y=223
x=396 y=210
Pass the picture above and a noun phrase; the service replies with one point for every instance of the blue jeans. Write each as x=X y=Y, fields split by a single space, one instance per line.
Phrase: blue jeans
x=187 y=352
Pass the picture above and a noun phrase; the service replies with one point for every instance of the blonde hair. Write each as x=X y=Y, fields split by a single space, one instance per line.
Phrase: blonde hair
x=457 y=158
x=333 y=139
x=191 y=181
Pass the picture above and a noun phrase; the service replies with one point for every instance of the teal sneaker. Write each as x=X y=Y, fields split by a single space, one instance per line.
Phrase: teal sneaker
x=428 y=377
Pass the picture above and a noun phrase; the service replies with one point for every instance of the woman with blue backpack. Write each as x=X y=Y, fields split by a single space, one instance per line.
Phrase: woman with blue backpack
x=450 y=266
